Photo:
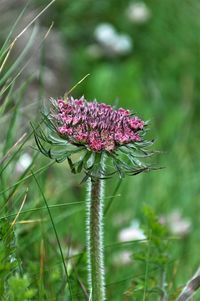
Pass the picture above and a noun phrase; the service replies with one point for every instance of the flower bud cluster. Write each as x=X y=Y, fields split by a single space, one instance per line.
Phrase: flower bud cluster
x=97 y=125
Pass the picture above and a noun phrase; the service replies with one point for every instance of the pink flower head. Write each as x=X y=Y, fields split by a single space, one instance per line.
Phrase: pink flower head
x=96 y=131
x=97 y=125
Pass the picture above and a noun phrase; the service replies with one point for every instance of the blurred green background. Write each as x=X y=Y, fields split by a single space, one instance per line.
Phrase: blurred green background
x=141 y=55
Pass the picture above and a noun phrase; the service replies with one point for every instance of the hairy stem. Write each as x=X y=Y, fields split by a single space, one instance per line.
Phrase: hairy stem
x=95 y=239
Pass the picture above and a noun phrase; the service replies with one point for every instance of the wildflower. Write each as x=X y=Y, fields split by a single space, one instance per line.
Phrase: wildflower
x=105 y=34
x=134 y=232
x=112 y=43
x=94 y=129
x=98 y=133
x=97 y=125
x=138 y=12
x=123 y=44
x=177 y=224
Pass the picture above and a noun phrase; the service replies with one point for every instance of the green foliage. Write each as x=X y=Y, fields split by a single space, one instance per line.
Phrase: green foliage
x=18 y=289
x=8 y=261
x=13 y=287
x=153 y=258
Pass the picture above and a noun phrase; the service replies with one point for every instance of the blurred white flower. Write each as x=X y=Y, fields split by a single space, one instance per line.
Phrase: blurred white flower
x=111 y=42
x=134 y=232
x=123 y=44
x=23 y=163
x=138 y=12
x=122 y=258
x=177 y=224
x=105 y=34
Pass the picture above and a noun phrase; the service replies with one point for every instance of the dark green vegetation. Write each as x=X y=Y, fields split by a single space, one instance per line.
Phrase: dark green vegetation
x=160 y=80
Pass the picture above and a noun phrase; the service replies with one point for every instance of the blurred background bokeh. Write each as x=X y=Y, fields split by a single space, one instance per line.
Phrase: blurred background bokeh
x=141 y=55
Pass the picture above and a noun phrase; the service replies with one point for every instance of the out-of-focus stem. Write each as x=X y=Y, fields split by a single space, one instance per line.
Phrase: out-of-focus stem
x=190 y=288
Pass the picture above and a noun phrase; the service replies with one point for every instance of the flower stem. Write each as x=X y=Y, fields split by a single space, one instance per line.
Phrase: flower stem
x=95 y=239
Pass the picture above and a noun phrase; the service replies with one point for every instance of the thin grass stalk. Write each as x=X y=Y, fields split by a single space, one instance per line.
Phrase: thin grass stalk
x=56 y=235
x=94 y=223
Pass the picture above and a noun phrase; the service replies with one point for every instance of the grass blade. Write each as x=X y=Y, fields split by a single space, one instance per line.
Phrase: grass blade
x=55 y=232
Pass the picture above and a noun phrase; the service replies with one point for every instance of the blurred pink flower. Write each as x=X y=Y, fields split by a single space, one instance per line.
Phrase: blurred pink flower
x=176 y=223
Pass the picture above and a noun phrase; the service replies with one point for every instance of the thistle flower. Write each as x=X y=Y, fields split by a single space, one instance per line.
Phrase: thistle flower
x=94 y=129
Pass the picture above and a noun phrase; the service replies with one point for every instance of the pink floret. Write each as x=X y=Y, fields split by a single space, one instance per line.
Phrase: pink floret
x=65 y=130
x=123 y=111
x=136 y=123
x=96 y=145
